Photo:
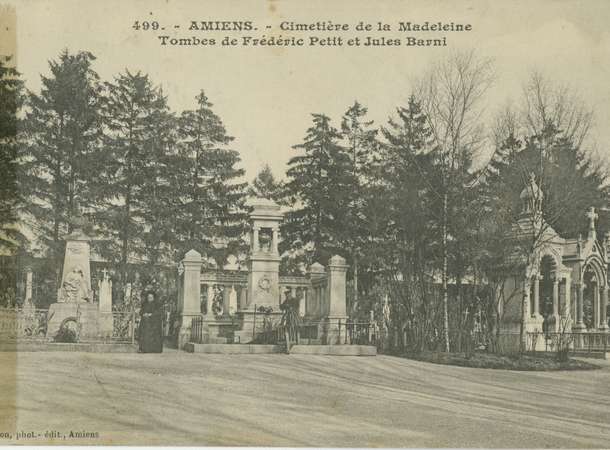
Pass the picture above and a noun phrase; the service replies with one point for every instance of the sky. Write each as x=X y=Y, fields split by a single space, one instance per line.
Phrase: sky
x=265 y=96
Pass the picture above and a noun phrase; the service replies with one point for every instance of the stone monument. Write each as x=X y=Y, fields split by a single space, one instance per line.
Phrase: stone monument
x=232 y=317
x=263 y=264
x=105 y=304
x=75 y=298
x=264 y=260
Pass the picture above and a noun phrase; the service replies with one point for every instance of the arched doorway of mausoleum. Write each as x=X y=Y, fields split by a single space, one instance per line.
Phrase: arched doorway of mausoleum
x=594 y=286
x=548 y=269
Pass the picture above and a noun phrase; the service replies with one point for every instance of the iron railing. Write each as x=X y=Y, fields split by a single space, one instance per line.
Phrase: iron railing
x=356 y=333
x=32 y=324
x=270 y=329
x=196 y=330
x=578 y=342
x=125 y=325
x=23 y=323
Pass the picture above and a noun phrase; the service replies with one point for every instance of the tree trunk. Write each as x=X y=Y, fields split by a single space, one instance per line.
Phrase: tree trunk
x=522 y=340
x=355 y=281
x=125 y=231
x=125 y=243
x=463 y=329
x=57 y=212
x=444 y=288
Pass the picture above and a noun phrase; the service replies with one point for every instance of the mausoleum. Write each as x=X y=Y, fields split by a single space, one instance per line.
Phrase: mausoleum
x=563 y=286
x=240 y=306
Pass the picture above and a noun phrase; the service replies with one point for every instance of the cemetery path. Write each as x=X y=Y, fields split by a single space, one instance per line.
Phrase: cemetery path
x=299 y=400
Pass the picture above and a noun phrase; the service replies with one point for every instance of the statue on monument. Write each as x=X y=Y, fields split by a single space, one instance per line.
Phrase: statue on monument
x=74 y=288
x=75 y=285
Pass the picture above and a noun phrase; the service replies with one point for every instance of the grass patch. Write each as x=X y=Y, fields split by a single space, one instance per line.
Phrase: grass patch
x=507 y=362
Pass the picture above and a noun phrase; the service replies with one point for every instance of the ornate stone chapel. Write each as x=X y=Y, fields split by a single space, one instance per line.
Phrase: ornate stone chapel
x=564 y=285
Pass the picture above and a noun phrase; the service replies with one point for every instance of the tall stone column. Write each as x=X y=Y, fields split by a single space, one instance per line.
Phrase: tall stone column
x=337 y=299
x=314 y=308
x=255 y=244
x=225 y=301
x=275 y=240
x=580 y=291
x=596 y=308
x=211 y=292
x=302 y=301
x=603 y=310
x=204 y=298
x=190 y=305
x=232 y=304
x=567 y=306
x=243 y=297
x=556 y=303
x=536 y=312
x=526 y=299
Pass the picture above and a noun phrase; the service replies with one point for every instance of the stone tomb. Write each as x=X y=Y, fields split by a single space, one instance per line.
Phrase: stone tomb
x=75 y=307
x=84 y=315
x=244 y=295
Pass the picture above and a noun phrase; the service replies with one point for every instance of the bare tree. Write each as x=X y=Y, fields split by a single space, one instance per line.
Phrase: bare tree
x=452 y=93
x=546 y=103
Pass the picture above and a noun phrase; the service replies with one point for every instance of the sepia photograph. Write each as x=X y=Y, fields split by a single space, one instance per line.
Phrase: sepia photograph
x=305 y=223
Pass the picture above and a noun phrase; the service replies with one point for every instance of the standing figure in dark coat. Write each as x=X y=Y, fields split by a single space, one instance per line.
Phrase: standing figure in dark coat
x=151 y=325
x=290 y=318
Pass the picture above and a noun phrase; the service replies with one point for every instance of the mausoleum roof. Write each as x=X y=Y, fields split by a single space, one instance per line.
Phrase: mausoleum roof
x=264 y=208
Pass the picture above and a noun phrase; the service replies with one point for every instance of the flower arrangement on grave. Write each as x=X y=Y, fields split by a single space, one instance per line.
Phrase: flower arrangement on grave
x=265 y=310
x=266 y=335
x=66 y=334
x=35 y=323
x=69 y=330
x=217 y=303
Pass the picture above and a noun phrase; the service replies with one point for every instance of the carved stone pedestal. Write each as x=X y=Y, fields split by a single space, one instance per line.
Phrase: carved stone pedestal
x=86 y=315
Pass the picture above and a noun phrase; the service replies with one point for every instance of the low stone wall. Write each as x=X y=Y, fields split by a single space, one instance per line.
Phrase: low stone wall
x=250 y=349
x=233 y=349
x=88 y=347
x=334 y=350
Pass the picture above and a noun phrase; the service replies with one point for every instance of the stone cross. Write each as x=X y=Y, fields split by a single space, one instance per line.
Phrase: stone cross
x=28 y=288
x=105 y=293
x=592 y=216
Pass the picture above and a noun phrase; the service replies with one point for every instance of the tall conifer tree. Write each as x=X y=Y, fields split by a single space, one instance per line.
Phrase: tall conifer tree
x=135 y=182
x=318 y=187
x=11 y=98
x=62 y=147
x=210 y=206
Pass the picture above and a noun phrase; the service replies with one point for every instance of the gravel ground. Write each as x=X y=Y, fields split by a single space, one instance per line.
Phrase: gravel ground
x=298 y=400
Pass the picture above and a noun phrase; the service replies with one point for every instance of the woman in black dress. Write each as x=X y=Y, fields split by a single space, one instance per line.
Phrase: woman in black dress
x=290 y=318
x=151 y=325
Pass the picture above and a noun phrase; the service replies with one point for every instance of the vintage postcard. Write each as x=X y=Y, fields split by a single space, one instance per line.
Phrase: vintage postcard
x=305 y=223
